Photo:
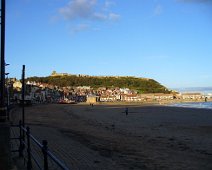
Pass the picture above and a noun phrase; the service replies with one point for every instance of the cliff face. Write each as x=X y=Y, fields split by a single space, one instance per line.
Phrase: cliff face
x=142 y=85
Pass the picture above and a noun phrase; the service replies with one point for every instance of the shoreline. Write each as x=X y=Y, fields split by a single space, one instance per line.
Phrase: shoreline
x=152 y=103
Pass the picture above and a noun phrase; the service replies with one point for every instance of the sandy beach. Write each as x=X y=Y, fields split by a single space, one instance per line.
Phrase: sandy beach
x=104 y=137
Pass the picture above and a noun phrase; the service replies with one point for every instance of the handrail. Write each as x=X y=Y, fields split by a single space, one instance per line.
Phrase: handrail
x=57 y=161
x=36 y=162
x=54 y=158
x=46 y=153
x=23 y=128
x=36 y=141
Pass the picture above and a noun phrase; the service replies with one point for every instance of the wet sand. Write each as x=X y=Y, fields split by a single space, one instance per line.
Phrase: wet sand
x=104 y=137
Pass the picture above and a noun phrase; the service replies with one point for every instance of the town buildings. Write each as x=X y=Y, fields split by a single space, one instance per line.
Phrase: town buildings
x=42 y=93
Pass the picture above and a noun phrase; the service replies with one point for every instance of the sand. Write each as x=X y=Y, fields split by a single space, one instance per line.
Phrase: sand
x=103 y=137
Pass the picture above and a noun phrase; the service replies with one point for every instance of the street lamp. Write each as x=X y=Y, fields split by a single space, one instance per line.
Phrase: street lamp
x=7 y=88
x=3 y=109
x=7 y=91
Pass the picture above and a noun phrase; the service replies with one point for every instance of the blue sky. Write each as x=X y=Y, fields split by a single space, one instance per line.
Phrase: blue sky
x=167 y=40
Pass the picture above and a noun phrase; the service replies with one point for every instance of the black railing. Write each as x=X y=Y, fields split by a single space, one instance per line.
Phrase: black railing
x=43 y=161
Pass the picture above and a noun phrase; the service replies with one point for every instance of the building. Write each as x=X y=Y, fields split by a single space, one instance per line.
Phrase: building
x=92 y=99
x=17 y=85
x=130 y=98
x=107 y=98
x=191 y=96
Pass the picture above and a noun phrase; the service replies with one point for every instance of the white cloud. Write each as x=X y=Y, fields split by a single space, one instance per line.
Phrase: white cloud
x=99 y=16
x=86 y=10
x=109 y=4
x=79 y=12
x=80 y=27
x=78 y=9
x=113 y=16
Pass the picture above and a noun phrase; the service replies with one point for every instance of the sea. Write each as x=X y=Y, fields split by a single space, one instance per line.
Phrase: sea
x=200 y=105
x=204 y=90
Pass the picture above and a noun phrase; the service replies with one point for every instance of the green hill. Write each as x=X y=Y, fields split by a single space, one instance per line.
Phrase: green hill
x=142 y=85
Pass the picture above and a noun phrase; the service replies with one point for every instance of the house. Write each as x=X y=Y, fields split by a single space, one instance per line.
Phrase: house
x=40 y=95
x=130 y=97
x=103 y=98
x=81 y=98
x=125 y=91
x=17 y=85
x=191 y=96
x=83 y=87
x=107 y=98
x=147 y=97
x=162 y=96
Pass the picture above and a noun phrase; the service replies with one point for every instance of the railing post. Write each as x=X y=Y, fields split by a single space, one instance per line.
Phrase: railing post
x=23 y=100
x=29 y=162
x=44 y=149
x=20 y=140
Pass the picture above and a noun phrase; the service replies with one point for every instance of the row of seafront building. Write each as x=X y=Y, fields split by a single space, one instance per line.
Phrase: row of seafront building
x=151 y=97
x=42 y=92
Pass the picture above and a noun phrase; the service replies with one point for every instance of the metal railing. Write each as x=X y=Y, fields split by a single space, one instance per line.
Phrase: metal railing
x=41 y=161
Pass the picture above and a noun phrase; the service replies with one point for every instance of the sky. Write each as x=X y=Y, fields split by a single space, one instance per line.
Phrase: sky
x=166 y=40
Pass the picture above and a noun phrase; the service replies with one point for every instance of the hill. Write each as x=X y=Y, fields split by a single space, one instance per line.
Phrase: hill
x=142 y=85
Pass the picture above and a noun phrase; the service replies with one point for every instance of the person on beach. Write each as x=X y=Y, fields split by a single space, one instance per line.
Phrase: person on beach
x=126 y=111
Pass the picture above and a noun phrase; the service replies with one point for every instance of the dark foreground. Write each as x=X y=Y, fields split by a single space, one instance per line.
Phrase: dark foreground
x=103 y=137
